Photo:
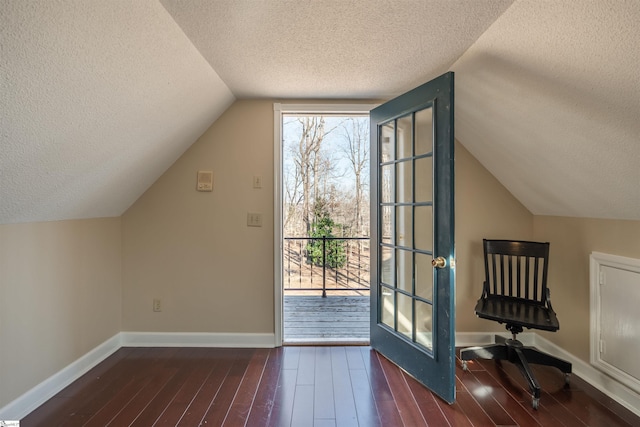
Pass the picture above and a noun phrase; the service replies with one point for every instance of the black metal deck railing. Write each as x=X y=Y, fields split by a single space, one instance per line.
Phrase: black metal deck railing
x=326 y=264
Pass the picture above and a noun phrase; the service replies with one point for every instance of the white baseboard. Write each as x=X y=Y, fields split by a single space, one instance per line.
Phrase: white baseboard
x=607 y=385
x=39 y=394
x=197 y=339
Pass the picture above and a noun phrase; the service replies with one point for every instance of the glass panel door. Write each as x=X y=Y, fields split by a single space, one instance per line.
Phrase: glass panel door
x=413 y=301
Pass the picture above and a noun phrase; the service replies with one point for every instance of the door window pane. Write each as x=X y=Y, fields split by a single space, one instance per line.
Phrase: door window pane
x=424 y=179
x=388 y=142
x=386 y=224
x=423 y=227
x=424 y=131
x=404 y=226
x=387 y=264
x=404 y=263
x=424 y=276
x=405 y=137
x=387 y=183
x=405 y=315
x=404 y=182
x=387 y=312
x=424 y=324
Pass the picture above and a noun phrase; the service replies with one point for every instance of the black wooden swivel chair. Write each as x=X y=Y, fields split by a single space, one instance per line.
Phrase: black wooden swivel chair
x=515 y=293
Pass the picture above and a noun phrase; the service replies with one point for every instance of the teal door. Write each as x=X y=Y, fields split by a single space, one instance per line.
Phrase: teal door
x=412 y=294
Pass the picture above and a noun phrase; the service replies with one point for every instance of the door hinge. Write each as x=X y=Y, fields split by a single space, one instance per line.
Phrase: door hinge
x=602 y=348
x=601 y=279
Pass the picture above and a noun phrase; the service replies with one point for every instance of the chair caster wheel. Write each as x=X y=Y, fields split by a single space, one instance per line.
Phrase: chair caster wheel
x=535 y=403
x=465 y=367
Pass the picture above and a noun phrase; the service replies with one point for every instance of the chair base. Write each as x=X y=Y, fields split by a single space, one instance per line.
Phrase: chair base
x=515 y=352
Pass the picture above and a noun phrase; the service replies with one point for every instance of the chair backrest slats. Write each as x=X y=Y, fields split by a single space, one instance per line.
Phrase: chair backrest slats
x=502 y=274
x=518 y=272
x=535 y=279
x=505 y=280
x=526 y=281
x=510 y=276
x=495 y=281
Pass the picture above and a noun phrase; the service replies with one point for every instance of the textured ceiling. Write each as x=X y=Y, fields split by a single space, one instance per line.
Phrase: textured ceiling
x=99 y=98
x=548 y=99
x=332 y=48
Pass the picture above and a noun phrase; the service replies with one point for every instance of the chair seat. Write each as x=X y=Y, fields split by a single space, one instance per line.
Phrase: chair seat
x=517 y=311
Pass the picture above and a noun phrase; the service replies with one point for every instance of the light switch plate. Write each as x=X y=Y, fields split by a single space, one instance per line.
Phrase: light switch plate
x=257 y=181
x=254 y=219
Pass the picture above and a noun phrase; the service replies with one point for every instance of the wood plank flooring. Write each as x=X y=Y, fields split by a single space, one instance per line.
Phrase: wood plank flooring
x=334 y=319
x=310 y=386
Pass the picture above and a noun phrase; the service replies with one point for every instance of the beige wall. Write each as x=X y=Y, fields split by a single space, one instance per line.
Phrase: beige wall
x=572 y=241
x=214 y=274
x=193 y=250
x=484 y=209
x=60 y=297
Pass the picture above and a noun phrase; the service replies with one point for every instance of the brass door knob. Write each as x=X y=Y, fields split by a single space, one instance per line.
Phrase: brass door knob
x=439 y=262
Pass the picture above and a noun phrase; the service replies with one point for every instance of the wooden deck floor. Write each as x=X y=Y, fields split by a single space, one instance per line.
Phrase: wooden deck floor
x=334 y=319
x=311 y=386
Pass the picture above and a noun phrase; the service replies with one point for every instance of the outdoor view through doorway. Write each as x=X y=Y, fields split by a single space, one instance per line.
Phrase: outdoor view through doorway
x=325 y=227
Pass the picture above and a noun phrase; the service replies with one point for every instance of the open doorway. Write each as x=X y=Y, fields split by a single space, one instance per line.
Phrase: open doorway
x=324 y=264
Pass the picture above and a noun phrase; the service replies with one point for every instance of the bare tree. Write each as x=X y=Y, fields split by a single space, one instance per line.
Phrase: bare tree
x=313 y=173
x=356 y=135
x=308 y=181
x=308 y=161
x=292 y=194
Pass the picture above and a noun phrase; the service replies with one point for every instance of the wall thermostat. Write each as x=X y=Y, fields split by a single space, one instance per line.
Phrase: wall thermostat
x=205 y=181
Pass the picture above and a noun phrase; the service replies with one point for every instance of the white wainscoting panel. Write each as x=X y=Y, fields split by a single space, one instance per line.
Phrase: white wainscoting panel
x=615 y=317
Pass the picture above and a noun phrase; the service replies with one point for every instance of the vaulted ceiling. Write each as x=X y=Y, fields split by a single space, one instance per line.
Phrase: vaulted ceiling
x=98 y=98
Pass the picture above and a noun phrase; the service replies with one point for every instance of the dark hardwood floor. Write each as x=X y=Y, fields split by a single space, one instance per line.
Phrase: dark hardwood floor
x=310 y=386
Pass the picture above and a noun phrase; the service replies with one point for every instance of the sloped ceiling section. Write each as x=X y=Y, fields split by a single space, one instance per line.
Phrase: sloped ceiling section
x=548 y=99
x=98 y=99
x=332 y=48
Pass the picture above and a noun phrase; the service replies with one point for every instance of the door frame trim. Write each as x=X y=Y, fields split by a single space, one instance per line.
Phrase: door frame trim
x=351 y=107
